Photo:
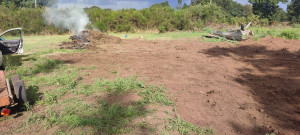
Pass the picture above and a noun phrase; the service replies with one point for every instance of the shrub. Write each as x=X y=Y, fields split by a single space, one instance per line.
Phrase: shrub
x=296 y=25
x=289 y=35
x=161 y=29
x=102 y=26
x=123 y=28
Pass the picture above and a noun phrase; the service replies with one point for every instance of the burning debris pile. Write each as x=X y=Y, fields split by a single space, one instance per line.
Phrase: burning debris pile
x=89 y=39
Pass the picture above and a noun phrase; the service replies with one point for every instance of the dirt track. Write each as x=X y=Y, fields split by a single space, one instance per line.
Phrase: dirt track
x=246 y=88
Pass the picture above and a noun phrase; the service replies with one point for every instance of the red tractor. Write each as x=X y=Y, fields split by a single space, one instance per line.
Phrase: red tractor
x=12 y=92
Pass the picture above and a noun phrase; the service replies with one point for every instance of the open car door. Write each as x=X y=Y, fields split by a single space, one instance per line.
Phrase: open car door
x=11 y=41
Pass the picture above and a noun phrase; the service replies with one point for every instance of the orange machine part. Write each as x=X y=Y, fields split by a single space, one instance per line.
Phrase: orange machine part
x=4 y=97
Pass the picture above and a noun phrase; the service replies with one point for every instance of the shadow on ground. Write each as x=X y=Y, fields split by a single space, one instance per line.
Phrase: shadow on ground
x=276 y=88
x=116 y=117
x=16 y=60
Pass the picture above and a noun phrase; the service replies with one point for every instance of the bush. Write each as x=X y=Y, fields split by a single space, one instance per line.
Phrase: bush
x=123 y=28
x=102 y=26
x=289 y=35
x=161 y=29
x=296 y=25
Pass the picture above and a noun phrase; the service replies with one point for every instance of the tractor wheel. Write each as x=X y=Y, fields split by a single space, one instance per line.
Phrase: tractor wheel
x=19 y=89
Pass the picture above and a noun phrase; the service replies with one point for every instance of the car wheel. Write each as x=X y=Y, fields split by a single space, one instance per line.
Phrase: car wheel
x=19 y=89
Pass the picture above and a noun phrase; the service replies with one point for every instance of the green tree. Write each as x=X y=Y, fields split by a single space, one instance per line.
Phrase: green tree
x=196 y=2
x=179 y=4
x=294 y=11
x=232 y=7
x=267 y=9
x=27 y=3
x=247 y=11
x=185 y=6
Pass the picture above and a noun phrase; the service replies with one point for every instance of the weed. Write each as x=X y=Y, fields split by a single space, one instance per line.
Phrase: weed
x=153 y=94
x=92 y=67
x=122 y=85
x=27 y=106
x=143 y=125
x=186 y=128
x=114 y=72
x=34 y=118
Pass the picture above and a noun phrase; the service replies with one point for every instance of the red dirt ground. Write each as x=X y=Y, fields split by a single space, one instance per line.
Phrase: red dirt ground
x=246 y=88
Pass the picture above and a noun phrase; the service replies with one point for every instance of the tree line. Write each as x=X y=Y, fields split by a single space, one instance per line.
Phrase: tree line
x=161 y=16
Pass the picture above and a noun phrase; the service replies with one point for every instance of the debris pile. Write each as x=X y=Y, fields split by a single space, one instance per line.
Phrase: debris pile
x=233 y=34
x=89 y=39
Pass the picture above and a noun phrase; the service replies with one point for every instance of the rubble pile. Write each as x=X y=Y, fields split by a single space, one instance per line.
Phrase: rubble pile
x=89 y=39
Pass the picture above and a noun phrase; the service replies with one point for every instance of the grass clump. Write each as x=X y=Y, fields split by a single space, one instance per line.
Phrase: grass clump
x=153 y=94
x=186 y=128
x=289 y=35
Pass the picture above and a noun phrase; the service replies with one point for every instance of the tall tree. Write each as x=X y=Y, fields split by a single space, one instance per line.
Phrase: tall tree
x=179 y=4
x=28 y=3
x=294 y=11
x=232 y=7
x=185 y=6
x=196 y=2
x=247 y=11
x=267 y=8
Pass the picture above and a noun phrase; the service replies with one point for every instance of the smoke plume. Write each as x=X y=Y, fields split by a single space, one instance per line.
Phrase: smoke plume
x=71 y=18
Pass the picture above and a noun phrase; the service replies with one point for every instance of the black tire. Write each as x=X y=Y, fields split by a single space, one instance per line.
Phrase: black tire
x=19 y=89
x=243 y=27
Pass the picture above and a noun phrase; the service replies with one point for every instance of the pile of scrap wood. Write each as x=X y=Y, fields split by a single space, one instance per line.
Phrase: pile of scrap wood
x=233 y=34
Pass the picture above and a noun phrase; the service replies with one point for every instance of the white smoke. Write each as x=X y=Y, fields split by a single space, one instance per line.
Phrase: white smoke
x=71 y=18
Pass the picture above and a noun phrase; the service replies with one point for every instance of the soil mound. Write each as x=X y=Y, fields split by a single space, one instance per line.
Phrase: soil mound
x=90 y=39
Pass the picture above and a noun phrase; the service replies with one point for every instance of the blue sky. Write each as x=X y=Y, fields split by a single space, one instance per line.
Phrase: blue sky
x=137 y=4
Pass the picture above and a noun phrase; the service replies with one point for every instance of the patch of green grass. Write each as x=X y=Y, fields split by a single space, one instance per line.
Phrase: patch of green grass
x=296 y=25
x=92 y=67
x=104 y=117
x=175 y=36
x=66 y=82
x=163 y=36
x=34 y=44
x=208 y=30
x=289 y=35
x=111 y=119
x=186 y=128
x=260 y=32
x=153 y=94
